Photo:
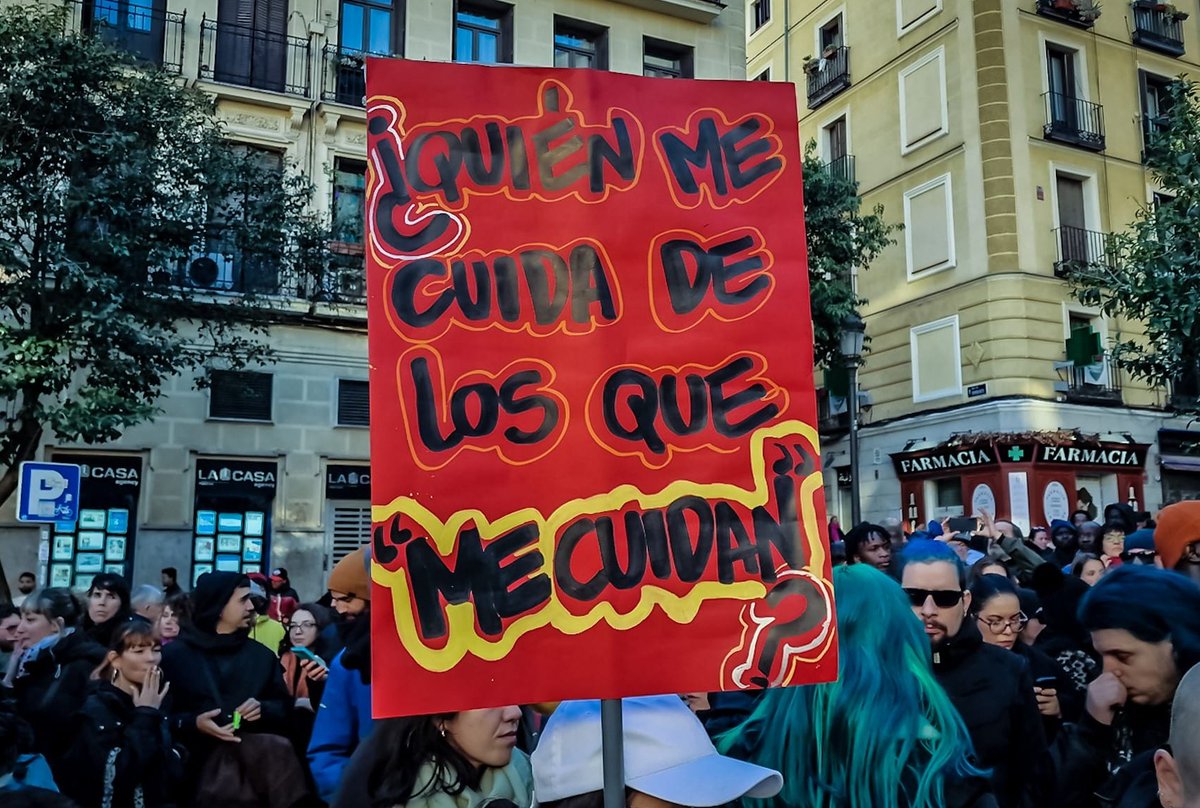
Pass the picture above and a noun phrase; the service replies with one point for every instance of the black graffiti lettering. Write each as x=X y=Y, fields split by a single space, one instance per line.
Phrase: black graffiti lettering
x=473 y=154
x=622 y=158
x=475 y=408
x=502 y=580
x=690 y=554
x=597 y=553
x=481 y=289
x=397 y=198
x=713 y=269
x=564 y=551
x=723 y=403
x=446 y=165
x=721 y=157
x=548 y=157
x=634 y=404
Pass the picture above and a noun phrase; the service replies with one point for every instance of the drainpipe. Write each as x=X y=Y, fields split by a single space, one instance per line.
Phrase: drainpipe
x=787 y=40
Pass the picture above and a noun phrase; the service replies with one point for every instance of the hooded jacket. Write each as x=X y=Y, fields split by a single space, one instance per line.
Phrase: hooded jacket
x=121 y=752
x=344 y=719
x=208 y=670
x=52 y=686
x=993 y=692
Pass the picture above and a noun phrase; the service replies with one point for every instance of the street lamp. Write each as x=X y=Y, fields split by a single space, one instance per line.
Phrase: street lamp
x=853 y=333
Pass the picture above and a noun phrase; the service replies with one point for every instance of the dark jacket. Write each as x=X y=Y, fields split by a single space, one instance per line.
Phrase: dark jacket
x=1135 y=786
x=52 y=688
x=1042 y=667
x=209 y=670
x=119 y=750
x=1098 y=765
x=993 y=692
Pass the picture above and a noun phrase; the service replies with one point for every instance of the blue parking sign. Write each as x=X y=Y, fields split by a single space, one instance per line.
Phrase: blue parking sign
x=48 y=492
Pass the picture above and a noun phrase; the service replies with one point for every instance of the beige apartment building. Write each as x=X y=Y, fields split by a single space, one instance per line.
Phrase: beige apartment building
x=1007 y=136
x=272 y=468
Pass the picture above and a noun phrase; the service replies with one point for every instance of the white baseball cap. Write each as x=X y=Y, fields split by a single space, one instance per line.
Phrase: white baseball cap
x=667 y=755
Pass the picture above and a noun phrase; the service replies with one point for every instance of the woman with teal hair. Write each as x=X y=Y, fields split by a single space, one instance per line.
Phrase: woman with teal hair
x=884 y=735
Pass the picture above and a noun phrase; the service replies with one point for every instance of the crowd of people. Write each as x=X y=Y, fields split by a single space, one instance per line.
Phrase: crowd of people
x=978 y=668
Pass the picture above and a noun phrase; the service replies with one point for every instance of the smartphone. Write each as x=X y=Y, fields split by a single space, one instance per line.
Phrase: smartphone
x=963 y=524
x=303 y=653
x=1046 y=682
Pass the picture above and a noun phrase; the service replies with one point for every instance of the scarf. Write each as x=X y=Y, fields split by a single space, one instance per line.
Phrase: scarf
x=34 y=651
x=513 y=782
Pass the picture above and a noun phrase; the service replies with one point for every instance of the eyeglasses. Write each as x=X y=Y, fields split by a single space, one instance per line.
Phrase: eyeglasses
x=303 y=626
x=999 y=624
x=1138 y=556
x=942 y=598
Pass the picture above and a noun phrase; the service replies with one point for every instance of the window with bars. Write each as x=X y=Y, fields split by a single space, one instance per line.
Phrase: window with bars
x=349 y=190
x=241 y=395
x=578 y=44
x=353 y=403
x=666 y=60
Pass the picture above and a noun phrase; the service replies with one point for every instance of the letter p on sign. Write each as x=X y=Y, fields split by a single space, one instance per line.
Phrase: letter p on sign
x=48 y=492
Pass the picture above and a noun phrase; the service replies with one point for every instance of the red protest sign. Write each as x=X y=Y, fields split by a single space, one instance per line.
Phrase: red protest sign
x=595 y=470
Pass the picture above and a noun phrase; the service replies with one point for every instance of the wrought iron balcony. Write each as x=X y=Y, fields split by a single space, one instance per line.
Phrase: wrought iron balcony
x=153 y=36
x=828 y=75
x=343 y=76
x=1080 y=13
x=1158 y=26
x=842 y=168
x=1073 y=120
x=1098 y=383
x=1080 y=250
x=240 y=54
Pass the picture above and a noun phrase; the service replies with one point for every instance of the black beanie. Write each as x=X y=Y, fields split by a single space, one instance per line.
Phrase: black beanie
x=212 y=593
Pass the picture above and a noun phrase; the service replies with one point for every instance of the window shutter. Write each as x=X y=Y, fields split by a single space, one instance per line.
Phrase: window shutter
x=244 y=395
x=351 y=529
x=353 y=403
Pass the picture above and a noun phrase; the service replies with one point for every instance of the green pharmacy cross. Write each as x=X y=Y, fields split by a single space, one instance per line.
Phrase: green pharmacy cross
x=1016 y=454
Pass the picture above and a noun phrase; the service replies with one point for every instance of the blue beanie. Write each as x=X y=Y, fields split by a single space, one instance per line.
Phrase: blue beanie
x=934 y=529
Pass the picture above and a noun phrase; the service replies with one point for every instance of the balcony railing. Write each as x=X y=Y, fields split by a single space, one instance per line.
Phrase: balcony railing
x=842 y=168
x=1098 y=383
x=243 y=55
x=1080 y=250
x=1081 y=13
x=1158 y=28
x=343 y=78
x=345 y=281
x=1074 y=120
x=153 y=36
x=827 y=75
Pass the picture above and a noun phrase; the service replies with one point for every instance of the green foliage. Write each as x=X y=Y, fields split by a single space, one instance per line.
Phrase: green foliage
x=839 y=237
x=111 y=178
x=1151 y=271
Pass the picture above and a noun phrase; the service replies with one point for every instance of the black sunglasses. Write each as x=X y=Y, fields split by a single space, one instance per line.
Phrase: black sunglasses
x=942 y=598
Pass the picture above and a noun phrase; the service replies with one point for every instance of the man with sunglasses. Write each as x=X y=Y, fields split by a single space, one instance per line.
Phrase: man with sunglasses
x=991 y=688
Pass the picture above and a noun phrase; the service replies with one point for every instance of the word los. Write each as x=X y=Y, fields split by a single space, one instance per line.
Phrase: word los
x=551 y=154
x=515 y=412
x=536 y=288
x=649 y=413
x=471 y=585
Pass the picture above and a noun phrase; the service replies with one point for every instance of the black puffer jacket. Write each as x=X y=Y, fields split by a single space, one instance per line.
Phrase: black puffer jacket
x=1098 y=765
x=120 y=752
x=993 y=692
x=52 y=687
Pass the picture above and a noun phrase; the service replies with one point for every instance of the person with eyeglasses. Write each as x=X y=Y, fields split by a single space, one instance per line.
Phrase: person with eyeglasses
x=996 y=609
x=991 y=688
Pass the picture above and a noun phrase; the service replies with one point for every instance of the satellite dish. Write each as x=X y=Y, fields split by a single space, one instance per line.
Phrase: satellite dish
x=203 y=271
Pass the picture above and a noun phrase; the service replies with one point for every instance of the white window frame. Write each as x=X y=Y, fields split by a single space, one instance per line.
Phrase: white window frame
x=1091 y=194
x=938 y=54
x=937 y=325
x=1101 y=325
x=823 y=140
x=1081 y=66
x=952 y=261
x=751 y=31
x=333 y=402
x=902 y=29
x=840 y=11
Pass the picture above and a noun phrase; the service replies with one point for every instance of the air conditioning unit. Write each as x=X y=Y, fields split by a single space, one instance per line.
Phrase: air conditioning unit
x=212 y=271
